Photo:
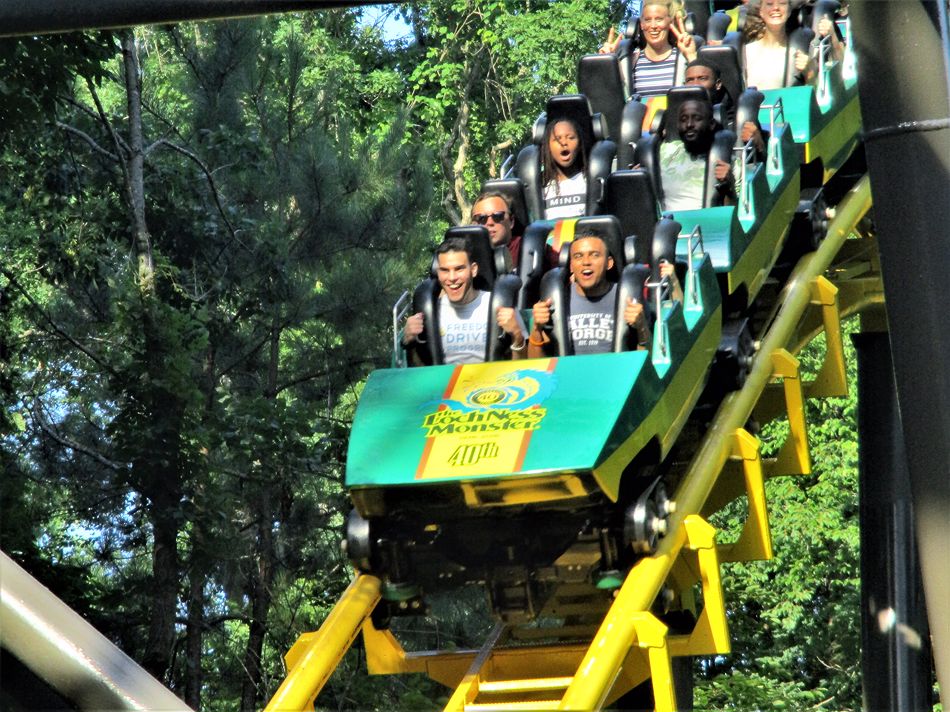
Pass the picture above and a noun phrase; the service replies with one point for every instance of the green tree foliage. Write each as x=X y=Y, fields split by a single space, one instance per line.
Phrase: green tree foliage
x=795 y=620
x=482 y=71
x=183 y=295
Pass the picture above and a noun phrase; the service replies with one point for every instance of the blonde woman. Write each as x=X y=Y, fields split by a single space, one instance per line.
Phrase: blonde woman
x=657 y=64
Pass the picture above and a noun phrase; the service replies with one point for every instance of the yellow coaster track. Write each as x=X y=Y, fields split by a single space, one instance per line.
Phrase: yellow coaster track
x=631 y=644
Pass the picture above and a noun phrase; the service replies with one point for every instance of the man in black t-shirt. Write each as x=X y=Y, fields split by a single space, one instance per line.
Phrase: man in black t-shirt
x=592 y=304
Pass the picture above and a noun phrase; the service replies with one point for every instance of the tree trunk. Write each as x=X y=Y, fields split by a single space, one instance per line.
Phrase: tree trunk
x=263 y=576
x=195 y=635
x=260 y=606
x=156 y=472
x=164 y=593
x=135 y=164
x=460 y=139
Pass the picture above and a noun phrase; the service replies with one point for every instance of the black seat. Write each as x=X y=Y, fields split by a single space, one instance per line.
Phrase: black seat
x=648 y=150
x=593 y=134
x=725 y=59
x=513 y=190
x=502 y=286
x=637 y=274
x=556 y=284
x=532 y=262
x=717 y=26
x=630 y=197
x=748 y=110
x=799 y=40
x=600 y=79
x=697 y=16
x=809 y=15
x=631 y=277
x=629 y=52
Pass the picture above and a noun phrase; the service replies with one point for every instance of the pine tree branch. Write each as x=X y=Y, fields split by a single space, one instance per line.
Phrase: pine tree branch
x=314 y=375
x=88 y=139
x=209 y=176
x=56 y=328
x=121 y=147
x=211 y=623
x=71 y=444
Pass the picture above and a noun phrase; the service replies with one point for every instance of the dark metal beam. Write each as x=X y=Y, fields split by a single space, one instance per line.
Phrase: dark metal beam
x=29 y=17
x=895 y=640
x=905 y=105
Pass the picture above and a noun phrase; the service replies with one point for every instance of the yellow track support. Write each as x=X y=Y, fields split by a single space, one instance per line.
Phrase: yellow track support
x=755 y=542
x=632 y=644
x=315 y=656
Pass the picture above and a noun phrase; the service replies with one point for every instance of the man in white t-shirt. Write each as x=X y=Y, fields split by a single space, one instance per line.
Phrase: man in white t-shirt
x=683 y=161
x=463 y=309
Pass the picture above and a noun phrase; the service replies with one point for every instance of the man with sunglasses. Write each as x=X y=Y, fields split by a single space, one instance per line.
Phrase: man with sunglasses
x=493 y=212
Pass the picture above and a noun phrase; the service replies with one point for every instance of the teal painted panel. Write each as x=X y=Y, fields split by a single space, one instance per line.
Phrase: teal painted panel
x=445 y=423
x=580 y=400
x=717 y=225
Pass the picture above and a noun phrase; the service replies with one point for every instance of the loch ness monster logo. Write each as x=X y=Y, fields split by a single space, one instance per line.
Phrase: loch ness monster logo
x=524 y=388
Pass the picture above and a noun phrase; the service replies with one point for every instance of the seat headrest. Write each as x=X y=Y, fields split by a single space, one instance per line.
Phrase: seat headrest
x=690 y=23
x=513 y=190
x=574 y=107
x=564 y=256
x=633 y=31
x=537 y=129
x=631 y=198
x=566 y=231
x=726 y=61
x=608 y=227
x=480 y=245
x=600 y=129
x=718 y=26
x=675 y=98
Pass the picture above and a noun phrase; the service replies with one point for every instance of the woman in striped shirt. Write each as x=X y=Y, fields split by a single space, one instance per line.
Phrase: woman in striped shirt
x=655 y=68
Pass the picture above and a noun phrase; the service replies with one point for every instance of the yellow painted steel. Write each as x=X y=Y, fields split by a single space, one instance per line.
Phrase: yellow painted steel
x=467 y=691
x=385 y=656
x=605 y=656
x=528 y=706
x=624 y=622
x=824 y=315
x=831 y=379
x=532 y=685
x=528 y=490
x=314 y=656
x=793 y=458
x=755 y=541
x=650 y=634
x=710 y=635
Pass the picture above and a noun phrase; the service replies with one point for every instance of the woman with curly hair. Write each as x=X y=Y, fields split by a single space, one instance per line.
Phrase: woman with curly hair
x=765 y=46
x=564 y=165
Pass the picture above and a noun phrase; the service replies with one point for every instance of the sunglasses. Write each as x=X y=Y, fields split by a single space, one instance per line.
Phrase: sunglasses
x=482 y=218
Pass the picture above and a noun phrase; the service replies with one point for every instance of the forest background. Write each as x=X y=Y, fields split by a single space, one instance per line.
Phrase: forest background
x=202 y=230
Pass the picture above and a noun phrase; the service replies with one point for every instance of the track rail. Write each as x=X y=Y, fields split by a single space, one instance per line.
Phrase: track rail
x=840 y=279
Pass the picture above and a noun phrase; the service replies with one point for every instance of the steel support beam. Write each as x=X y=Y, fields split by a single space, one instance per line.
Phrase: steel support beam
x=28 y=17
x=903 y=84
x=68 y=654
x=895 y=641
